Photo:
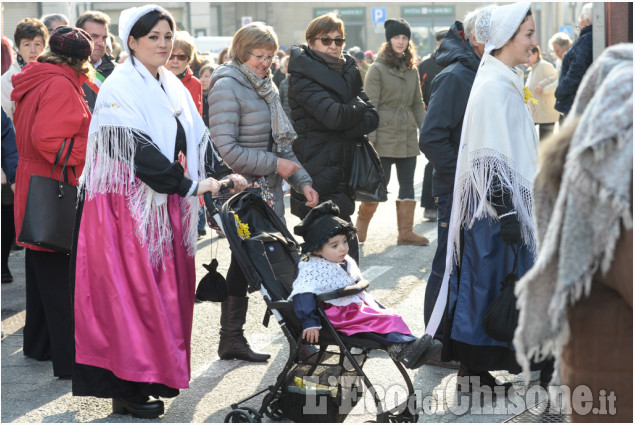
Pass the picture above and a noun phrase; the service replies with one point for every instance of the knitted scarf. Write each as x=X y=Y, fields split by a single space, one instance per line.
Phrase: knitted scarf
x=281 y=128
x=336 y=64
x=579 y=221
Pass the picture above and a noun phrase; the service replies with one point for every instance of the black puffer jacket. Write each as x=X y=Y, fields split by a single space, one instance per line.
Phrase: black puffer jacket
x=330 y=112
x=440 y=134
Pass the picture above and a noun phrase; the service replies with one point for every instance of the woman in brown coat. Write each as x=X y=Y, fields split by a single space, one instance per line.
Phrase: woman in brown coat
x=392 y=84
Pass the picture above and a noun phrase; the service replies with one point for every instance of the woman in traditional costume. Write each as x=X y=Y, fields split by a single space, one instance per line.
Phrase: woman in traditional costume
x=491 y=223
x=136 y=241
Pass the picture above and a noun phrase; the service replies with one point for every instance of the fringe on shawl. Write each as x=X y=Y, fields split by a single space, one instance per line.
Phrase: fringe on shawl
x=603 y=250
x=110 y=169
x=471 y=196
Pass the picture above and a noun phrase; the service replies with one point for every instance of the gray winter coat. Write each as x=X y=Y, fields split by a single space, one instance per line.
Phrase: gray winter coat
x=240 y=127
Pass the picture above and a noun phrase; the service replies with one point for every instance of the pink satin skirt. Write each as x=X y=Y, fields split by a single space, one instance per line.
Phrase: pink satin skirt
x=353 y=318
x=130 y=318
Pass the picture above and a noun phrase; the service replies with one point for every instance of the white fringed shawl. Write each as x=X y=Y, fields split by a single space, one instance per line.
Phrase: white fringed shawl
x=580 y=223
x=498 y=140
x=132 y=101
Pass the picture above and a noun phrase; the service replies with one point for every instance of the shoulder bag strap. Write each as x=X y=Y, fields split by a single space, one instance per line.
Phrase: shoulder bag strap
x=68 y=154
x=57 y=158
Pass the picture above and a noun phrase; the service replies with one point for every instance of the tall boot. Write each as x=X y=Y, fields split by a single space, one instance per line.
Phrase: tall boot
x=364 y=214
x=405 y=221
x=233 y=344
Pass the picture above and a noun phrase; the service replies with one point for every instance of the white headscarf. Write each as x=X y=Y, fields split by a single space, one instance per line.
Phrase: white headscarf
x=130 y=16
x=496 y=25
x=132 y=102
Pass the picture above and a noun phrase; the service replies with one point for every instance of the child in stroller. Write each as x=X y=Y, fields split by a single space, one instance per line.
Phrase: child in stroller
x=326 y=266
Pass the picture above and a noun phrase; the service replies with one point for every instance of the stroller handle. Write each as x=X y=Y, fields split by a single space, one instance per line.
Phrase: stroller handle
x=225 y=185
x=212 y=204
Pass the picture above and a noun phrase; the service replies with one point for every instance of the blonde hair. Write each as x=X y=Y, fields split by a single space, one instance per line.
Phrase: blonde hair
x=256 y=35
x=323 y=25
x=184 y=41
x=81 y=66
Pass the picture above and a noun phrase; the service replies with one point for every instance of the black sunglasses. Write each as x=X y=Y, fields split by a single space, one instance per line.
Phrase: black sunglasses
x=180 y=57
x=326 y=41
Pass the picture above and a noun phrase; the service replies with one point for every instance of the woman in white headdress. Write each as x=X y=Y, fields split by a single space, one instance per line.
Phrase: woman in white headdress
x=492 y=220
x=137 y=229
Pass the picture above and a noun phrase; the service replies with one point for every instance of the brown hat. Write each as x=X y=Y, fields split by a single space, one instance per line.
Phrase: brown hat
x=71 y=42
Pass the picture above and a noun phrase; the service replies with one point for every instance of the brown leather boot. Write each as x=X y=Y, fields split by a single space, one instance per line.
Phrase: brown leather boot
x=233 y=344
x=364 y=214
x=405 y=221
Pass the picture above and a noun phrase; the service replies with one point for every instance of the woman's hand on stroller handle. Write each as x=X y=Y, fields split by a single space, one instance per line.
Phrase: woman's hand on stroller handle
x=311 y=335
x=208 y=185
x=235 y=183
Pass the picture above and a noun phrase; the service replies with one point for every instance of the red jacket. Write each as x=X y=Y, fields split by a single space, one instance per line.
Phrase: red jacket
x=194 y=86
x=49 y=107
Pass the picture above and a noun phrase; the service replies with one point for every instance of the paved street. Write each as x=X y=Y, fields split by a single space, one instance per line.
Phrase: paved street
x=397 y=274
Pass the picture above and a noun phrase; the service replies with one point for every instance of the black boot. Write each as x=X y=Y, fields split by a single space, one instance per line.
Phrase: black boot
x=137 y=406
x=414 y=354
x=233 y=344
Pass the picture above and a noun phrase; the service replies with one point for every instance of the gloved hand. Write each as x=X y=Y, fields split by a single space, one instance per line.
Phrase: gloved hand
x=510 y=229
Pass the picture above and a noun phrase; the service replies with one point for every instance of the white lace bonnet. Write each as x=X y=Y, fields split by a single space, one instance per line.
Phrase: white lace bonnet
x=130 y=16
x=495 y=25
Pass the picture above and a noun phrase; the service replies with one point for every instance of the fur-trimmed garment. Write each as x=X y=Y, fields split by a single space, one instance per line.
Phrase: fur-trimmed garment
x=576 y=302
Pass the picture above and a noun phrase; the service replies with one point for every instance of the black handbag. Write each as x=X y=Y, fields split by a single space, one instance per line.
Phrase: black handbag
x=501 y=317
x=367 y=179
x=51 y=206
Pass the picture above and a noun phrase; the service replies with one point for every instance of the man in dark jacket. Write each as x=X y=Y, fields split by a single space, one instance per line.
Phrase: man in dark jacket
x=441 y=133
x=575 y=62
x=96 y=25
x=428 y=69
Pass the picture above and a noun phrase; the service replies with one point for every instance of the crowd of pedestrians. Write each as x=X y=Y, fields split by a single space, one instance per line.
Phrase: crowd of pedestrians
x=149 y=126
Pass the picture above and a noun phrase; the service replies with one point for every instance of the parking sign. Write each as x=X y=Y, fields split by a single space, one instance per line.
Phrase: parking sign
x=379 y=15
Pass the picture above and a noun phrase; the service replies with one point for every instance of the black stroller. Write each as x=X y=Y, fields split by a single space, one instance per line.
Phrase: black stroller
x=267 y=254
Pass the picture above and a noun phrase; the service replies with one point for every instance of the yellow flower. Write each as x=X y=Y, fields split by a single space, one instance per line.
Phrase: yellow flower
x=242 y=228
x=528 y=97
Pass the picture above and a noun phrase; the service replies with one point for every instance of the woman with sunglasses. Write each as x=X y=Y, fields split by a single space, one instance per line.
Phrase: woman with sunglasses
x=253 y=135
x=179 y=63
x=392 y=83
x=330 y=111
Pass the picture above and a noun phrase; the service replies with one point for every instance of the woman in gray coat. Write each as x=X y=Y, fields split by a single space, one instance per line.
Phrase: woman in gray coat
x=253 y=135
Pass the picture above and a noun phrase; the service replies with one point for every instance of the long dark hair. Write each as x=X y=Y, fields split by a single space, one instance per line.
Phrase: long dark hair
x=393 y=60
x=145 y=24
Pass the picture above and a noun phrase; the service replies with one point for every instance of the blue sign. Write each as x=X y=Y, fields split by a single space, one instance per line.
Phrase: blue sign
x=566 y=29
x=379 y=15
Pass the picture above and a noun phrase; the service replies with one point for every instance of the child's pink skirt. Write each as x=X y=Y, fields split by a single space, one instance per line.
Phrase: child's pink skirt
x=354 y=318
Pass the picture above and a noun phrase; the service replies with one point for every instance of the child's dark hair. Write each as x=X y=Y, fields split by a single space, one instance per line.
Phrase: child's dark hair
x=320 y=225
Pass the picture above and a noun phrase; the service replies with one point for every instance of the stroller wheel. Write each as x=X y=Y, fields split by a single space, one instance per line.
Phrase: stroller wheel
x=274 y=412
x=255 y=416
x=239 y=415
